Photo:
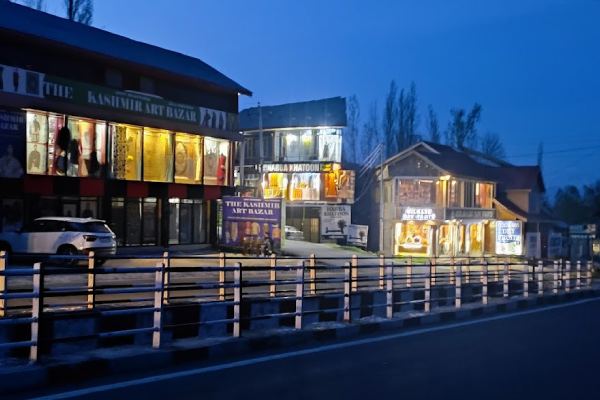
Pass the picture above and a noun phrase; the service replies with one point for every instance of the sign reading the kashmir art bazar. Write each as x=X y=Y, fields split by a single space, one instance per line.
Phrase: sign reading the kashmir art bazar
x=469 y=213
x=418 y=214
x=335 y=221
x=34 y=84
x=250 y=219
x=509 y=238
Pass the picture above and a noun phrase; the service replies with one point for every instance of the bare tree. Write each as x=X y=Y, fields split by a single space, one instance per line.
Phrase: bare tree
x=80 y=10
x=407 y=118
x=390 y=119
x=462 y=129
x=351 y=136
x=433 y=126
x=491 y=145
x=540 y=154
x=370 y=137
x=37 y=4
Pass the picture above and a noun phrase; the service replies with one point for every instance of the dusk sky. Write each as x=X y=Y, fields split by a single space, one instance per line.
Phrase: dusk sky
x=534 y=65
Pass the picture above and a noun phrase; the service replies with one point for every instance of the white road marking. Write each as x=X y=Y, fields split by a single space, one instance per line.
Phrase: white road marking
x=281 y=356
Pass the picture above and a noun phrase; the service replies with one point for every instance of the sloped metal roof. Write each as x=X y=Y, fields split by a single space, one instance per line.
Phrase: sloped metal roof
x=29 y=22
x=324 y=112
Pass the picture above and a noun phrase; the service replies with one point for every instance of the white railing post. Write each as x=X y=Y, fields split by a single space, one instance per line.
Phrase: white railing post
x=237 y=299
x=427 y=294
x=312 y=270
x=166 y=277
x=433 y=272
x=452 y=274
x=158 y=304
x=409 y=273
x=3 y=291
x=458 y=286
x=540 y=278
x=589 y=264
x=37 y=306
x=526 y=280
x=273 y=276
x=567 y=277
x=347 y=286
x=467 y=271
x=382 y=272
x=222 y=276
x=505 y=280
x=354 y=273
x=578 y=276
x=91 y=282
x=555 y=277
x=299 y=294
x=484 y=283
x=389 y=278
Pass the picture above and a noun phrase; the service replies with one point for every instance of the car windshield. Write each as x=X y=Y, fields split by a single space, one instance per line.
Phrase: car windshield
x=93 y=227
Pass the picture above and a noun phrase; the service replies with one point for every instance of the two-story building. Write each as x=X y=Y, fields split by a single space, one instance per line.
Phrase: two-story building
x=94 y=124
x=439 y=201
x=294 y=152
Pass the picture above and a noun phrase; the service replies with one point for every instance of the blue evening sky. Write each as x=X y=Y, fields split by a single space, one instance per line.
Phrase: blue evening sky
x=534 y=65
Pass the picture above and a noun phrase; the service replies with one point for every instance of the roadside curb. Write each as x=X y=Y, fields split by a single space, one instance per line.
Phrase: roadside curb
x=114 y=361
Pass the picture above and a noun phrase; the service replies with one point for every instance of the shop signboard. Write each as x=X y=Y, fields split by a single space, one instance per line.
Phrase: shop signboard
x=12 y=142
x=418 y=214
x=584 y=230
x=509 y=238
x=554 y=245
x=296 y=167
x=335 y=220
x=250 y=219
x=35 y=84
x=358 y=235
x=470 y=213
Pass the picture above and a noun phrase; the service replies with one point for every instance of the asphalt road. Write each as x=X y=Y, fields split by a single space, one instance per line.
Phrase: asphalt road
x=546 y=354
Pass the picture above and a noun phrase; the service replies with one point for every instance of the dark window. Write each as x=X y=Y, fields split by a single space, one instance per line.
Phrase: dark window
x=94 y=227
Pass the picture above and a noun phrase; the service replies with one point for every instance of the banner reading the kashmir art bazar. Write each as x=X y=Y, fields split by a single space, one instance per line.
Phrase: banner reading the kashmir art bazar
x=509 y=238
x=250 y=219
x=35 y=84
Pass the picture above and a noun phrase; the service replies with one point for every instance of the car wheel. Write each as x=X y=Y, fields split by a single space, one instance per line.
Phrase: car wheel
x=67 y=250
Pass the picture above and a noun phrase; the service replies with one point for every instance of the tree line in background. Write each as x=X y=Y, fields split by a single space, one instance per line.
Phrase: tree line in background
x=575 y=206
x=75 y=10
x=397 y=125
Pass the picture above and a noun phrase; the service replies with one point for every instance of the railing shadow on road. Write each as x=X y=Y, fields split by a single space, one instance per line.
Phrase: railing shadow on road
x=158 y=293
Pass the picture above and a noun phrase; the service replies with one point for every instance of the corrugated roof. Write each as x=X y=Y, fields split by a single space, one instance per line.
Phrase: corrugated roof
x=324 y=112
x=30 y=22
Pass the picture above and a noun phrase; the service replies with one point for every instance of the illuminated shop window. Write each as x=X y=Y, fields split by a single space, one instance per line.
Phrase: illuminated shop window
x=476 y=235
x=126 y=152
x=188 y=158
x=330 y=145
x=37 y=143
x=339 y=185
x=158 y=155
x=274 y=185
x=305 y=186
x=296 y=145
x=445 y=242
x=85 y=151
x=415 y=192
x=412 y=238
x=216 y=162
x=483 y=195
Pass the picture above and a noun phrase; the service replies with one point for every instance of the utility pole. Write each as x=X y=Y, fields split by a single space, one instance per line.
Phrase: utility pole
x=381 y=199
x=261 y=151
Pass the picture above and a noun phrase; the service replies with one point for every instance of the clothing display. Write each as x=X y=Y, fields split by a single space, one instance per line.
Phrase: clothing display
x=158 y=156
x=37 y=142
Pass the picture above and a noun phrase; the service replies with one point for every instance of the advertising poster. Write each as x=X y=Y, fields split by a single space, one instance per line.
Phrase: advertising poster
x=534 y=245
x=335 y=221
x=555 y=245
x=509 y=238
x=248 y=219
x=12 y=143
x=358 y=235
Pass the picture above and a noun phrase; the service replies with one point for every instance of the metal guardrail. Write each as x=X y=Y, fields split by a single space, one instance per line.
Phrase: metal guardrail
x=229 y=281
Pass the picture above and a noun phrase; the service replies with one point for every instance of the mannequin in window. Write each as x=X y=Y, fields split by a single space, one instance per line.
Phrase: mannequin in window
x=221 y=169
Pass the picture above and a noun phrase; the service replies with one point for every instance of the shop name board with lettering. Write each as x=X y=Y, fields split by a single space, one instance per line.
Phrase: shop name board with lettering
x=467 y=213
x=35 y=84
x=296 y=167
x=418 y=214
x=248 y=221
x=509 y=238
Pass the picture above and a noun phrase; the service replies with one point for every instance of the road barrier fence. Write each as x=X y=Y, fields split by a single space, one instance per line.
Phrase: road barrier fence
x=307 y=289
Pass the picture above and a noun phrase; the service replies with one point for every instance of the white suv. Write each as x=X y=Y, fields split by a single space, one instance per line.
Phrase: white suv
x=60 y=235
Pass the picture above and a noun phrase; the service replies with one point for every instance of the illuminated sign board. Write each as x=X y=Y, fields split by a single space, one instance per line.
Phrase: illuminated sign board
x=418 y=214
x=297 y=167
x=509 y=238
